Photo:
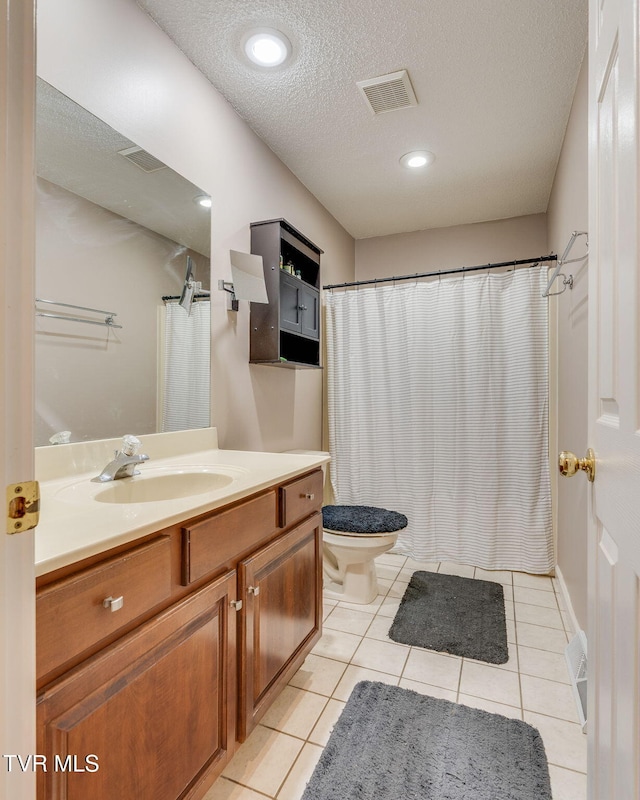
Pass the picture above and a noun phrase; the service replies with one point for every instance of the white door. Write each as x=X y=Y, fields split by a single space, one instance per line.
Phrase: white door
x=17 y=588
x=614 y=402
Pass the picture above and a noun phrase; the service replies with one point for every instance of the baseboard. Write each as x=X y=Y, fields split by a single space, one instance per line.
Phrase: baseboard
x=575 y=627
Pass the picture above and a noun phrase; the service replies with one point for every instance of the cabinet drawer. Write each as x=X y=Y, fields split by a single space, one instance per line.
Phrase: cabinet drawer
x=300 y=498
x=226 y=536
x=71 y=616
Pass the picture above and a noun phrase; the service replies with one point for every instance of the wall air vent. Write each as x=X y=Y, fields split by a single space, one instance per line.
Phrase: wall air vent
x=142 y=159
x=388 y=92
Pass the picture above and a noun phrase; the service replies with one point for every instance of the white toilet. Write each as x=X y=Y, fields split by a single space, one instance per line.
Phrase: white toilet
x=349 y=553
x=353 y=536
x=349 y=571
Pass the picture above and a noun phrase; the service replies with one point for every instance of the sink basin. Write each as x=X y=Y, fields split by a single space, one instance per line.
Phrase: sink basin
x=152 y=486
x=169 y=486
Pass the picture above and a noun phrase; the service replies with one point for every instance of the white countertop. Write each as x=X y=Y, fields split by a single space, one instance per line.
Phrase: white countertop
x=73 y=525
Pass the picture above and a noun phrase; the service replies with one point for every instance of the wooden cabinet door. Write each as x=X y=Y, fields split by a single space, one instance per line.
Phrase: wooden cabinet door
x=155 y=711
x=281 y=588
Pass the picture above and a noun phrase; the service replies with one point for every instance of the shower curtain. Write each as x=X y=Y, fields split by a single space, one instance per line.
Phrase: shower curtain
x=186 y=367
x=438 y=408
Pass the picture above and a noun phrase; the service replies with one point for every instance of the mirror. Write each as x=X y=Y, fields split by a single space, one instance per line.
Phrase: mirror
x=115 y=232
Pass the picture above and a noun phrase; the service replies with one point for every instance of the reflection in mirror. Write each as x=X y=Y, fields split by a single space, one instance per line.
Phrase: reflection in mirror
x=115 y=231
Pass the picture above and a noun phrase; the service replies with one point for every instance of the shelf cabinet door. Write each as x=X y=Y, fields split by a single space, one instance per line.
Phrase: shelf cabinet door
x=290 y=317
x=281 y=587
x=157 y=708
x=309 y=304
x=299 y=307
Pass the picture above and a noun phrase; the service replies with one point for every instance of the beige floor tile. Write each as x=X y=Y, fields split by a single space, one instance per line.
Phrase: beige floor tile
x=564 y=742
x=398 y=589
x=355 y=674
x=349 y=621
x=535 y=597
x=223 y=789
x=384 y=585
x=379 y=629
x=462 y=570
x=367 y=608
x=490 y=705
x=387 y=657
x=507 y=591
x=264 y=760
x=405 y=574
x=413 y=564
x=295 y=712
x=428 y=689
x=511 y=631
x=511 y=665
x=318 y=674
x=337 y=645
x=542 y=638
x=387 y=571
x=543 y=664
x=482 y=680
x=497 y=576
x=548 y=697
x=567 y=785
x=509 y=612
x=394 y=559
x=323 y=727
x=301 y=772
x=329 y=602
x=434 y=668
x=389 y=607
x=542 y=582
x=537 y=615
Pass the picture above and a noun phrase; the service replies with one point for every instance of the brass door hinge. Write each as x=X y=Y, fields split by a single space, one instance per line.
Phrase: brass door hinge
x=23 y=506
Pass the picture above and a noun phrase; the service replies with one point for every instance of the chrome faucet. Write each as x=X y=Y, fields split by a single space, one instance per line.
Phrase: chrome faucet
x=124 y=462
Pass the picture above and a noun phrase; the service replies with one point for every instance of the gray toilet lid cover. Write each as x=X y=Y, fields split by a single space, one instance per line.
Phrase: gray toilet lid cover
x=362 y=519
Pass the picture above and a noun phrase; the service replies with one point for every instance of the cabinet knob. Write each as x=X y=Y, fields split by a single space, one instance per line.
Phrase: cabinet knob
x=113 y=603
x=309 y=496
x=254 y=590
x=302 y=308
x=237 y=604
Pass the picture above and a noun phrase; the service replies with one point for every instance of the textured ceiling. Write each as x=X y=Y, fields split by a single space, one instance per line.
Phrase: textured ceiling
x=494 y=81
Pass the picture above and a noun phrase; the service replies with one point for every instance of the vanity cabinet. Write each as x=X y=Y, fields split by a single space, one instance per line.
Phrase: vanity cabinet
x=286 y=331
x=155 y=712
x=282 y=587
x=157 y=658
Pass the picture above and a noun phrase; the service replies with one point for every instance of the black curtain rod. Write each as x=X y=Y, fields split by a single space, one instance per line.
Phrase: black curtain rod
x=442 y=272
x=177 y=297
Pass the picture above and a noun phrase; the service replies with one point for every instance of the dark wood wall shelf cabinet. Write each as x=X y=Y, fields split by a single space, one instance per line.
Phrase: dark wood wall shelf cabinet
x=285 y=332
x=215 y=616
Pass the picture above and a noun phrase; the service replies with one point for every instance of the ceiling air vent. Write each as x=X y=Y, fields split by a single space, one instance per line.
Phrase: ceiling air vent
x=142 y=159
x=388 y=92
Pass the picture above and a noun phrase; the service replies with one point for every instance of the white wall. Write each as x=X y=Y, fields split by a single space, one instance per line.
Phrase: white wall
x=448 y=248
x=109 y=57
x=567 y=212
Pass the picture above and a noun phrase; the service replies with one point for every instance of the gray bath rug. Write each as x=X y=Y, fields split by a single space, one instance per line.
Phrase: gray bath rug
x=395 y=744
x=461 y=616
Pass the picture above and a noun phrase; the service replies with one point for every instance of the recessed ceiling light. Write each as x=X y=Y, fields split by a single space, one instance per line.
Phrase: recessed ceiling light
x=267 y=47
x=417 y=158
x=203 y=200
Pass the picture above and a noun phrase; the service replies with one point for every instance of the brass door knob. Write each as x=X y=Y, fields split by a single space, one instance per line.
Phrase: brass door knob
x=569 y=464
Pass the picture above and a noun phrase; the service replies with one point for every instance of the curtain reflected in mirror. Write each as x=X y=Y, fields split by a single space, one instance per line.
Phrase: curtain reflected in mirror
x=114 y=234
